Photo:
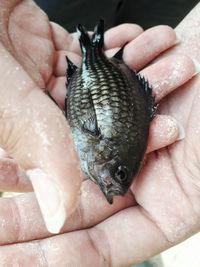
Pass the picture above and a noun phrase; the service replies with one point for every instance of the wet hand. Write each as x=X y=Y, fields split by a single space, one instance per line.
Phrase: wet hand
x=99 y=226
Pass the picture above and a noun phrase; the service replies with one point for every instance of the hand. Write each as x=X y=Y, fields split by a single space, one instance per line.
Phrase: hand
x=49 y=166
x=105 y=231
x=35 y=142
x=40 y=48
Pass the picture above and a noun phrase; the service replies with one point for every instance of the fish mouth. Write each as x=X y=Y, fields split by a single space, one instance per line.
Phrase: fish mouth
x=110 y=193
x=109 y=196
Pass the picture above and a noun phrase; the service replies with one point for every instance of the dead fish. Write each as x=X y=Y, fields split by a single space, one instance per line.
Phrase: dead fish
x=109 y=108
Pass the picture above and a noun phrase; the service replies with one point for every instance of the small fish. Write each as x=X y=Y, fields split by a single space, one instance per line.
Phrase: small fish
x=109 y=108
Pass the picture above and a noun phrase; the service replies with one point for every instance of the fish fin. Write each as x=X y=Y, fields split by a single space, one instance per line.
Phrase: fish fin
x=147 y=89
x=90 y=126
x=49 y=95
x=119 y=54
x=89 y=120
x=98 y=35
x=65 y=108
x=70 y=69
x=83 y=37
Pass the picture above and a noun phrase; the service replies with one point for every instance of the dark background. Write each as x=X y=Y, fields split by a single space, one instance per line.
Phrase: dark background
x=146 y=13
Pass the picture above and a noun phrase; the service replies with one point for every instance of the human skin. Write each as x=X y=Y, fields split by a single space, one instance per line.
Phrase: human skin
x=54 y=164
x=162 y=207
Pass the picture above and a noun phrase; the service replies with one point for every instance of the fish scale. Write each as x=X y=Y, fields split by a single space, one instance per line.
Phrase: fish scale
x=109 y=108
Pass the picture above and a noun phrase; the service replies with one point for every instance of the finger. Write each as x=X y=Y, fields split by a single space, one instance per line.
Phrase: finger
x=54 y=165
x=61 y=62
x=32 y=125
x=189 y=34
x=164 y=130
x=135 y=229
x=115 y=37
x=131 y=54
x=63 y=40
x=36 y=37
x=164 y=76
x=134 y=54
x=93 y=208
x=148 y=45
x=120 y=35
x=120 y=235
x=111 y=52
x=169 y=73
x=12 y=176
x=131 y=229
x=57 y=89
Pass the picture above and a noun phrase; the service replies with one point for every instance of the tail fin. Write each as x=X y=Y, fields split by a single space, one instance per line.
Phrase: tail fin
x=97 y=39
x=98 y=35
x=83 y=37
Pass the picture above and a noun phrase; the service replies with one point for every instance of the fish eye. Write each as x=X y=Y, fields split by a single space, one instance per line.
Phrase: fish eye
x=121 y=174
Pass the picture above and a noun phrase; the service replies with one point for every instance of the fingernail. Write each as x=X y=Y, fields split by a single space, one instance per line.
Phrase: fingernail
x=181 y=130
x=111 y=52
x=197 y=67
x=49 y=198
x=174 y=128
x=3 y=153
x=178 y=39
x=173 y=123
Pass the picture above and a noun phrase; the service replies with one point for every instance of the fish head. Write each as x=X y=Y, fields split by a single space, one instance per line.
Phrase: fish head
x=113 y=170
x=114 y=181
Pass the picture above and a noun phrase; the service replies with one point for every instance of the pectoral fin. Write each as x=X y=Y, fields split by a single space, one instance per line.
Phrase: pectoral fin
x=119 y=54
x=89 y=119
x=71 y=68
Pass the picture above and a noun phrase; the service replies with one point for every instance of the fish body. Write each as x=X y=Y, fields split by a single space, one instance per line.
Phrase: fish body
x=109 y=108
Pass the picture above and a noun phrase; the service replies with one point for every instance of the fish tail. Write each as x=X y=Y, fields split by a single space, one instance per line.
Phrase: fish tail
x=98 y=35
x=84 y=38
x=97 y=39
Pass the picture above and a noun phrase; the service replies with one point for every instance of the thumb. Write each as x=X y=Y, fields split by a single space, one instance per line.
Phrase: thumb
x=35 y=133
x=53 y=165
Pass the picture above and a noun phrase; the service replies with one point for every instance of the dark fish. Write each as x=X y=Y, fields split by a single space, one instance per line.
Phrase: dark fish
x=109 y=108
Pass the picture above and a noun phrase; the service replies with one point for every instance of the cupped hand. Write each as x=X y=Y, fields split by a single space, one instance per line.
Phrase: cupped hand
x=155 y=214
x=36 y=134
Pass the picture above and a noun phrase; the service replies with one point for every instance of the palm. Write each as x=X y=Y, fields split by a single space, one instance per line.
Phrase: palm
x=32 y=41
x=160 y=211
x=36 y=43
x=28 y=38
x=168 y=188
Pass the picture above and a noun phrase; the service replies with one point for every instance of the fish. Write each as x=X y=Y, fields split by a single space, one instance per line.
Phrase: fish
x=109 y=108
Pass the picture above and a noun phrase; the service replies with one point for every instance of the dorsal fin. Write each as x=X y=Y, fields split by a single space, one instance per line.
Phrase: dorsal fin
x=148 y=92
